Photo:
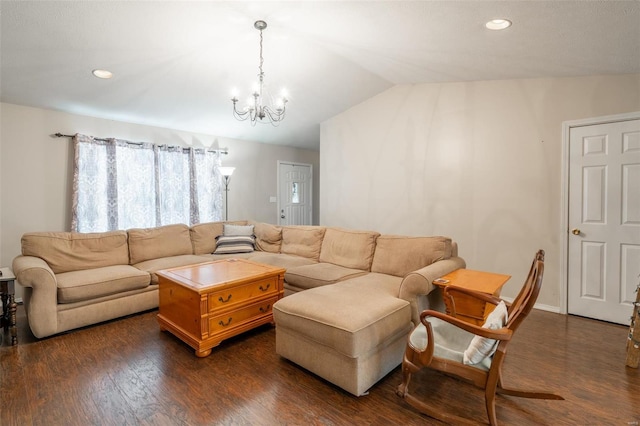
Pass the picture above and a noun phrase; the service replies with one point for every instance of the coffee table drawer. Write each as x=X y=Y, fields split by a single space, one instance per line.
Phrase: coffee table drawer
x=236 y=318
x=232 y=296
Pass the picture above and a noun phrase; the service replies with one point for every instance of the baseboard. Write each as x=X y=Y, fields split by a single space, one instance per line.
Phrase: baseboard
x=540 y=306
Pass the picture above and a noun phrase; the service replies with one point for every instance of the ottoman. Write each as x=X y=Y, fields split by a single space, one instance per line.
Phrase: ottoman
x=345 y=333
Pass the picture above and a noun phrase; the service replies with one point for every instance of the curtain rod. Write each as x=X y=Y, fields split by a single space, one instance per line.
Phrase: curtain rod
x=60 y=135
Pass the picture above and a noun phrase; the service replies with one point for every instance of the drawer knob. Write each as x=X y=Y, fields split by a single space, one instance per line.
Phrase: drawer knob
x=223 y=324
x=223 y=300
x=265 y=289
x=265 y=309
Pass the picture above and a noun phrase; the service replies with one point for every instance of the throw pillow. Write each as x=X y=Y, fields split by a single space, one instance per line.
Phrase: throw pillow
x=234 y=230
x=482 y=347
x=234 y=244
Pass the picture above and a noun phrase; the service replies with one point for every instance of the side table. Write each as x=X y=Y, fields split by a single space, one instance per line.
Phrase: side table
x=9 y=306
x=467 y=307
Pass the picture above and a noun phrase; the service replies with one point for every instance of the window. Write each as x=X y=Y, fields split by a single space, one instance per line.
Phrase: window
x=122 y=185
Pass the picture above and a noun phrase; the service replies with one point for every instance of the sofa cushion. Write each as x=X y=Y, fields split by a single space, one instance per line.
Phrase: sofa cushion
x=154 y=265
x=351 y=249
x=213 y=256
x=203 y=236
x=319 y=274
x=163 y=241
x=234 y=230
x=352 y=329
x=305 y=241
x=380 y=283
x=268 y=237
x=399 y=255
x=226 y=244
x=76 y=286
x=70 y=251
x=281 y=260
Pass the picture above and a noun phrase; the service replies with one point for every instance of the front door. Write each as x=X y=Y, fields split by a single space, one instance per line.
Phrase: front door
x=295 y=194
x=604 y=220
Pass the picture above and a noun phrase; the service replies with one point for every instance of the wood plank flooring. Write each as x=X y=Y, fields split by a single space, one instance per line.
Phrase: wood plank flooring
x=127 y=372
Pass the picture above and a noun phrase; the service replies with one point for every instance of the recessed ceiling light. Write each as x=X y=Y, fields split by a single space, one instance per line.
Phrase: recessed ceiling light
x=102 y=73
x=498 y=24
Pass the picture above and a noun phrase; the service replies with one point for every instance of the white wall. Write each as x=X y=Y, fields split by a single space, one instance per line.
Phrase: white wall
x=480 y=162
x=36 y=177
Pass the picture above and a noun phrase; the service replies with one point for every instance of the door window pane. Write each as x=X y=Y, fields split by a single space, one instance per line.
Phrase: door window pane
x=295 y=194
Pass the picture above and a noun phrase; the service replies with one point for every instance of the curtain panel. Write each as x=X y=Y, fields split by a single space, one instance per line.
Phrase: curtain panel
x=121 y=185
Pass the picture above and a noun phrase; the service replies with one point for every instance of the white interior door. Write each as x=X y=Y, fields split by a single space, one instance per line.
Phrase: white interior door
x=295 y=194
x=604 y=220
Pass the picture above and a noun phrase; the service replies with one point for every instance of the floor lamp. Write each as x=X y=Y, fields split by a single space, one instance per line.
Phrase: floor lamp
x=226 y=173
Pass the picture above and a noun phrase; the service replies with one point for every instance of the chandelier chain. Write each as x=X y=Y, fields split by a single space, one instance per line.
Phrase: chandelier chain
x=261 y=60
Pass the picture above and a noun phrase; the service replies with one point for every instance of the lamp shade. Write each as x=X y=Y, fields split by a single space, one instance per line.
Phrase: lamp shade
x=226 y=171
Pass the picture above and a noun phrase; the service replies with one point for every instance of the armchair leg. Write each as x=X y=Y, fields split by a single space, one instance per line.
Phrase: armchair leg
x=407 y=369
x=490 y=402
x=437 y=413
x=529 y=394
x=524 y=394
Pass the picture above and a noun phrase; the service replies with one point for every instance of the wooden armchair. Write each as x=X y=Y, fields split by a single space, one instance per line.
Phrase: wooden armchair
x=470 y=352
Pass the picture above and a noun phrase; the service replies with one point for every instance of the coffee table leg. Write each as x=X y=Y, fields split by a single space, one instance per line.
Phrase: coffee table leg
x=203 y=353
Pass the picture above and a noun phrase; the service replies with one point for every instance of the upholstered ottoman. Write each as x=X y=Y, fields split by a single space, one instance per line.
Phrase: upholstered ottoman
x=351 y=333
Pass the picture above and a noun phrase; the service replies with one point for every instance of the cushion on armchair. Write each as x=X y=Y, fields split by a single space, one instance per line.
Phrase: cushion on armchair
x=482 y=347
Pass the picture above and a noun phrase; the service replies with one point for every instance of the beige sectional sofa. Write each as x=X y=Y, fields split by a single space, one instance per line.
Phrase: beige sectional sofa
x=352 y=296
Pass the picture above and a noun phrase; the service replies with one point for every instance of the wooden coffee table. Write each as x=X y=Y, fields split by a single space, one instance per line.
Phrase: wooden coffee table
x=206 y=303
x=467 y=307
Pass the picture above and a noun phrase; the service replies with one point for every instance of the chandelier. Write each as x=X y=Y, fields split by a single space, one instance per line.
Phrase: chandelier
x=256 y=109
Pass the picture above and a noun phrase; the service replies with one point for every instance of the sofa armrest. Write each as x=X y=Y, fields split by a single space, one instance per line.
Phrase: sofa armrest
x=417 y=285
x=34 y=272
x=41 y=293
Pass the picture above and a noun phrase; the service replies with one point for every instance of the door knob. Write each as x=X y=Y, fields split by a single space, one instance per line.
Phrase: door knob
x=575 y=231
x=281 y=214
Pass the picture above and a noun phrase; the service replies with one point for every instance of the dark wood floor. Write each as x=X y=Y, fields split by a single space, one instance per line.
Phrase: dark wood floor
x=128 y=372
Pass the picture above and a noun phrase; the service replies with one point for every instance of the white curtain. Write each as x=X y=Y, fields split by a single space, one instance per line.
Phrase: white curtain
x=122 y=185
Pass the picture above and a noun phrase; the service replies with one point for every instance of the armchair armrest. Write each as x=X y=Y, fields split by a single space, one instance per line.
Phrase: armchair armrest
x=41 y=293
x=418 y=284
x=503 y=333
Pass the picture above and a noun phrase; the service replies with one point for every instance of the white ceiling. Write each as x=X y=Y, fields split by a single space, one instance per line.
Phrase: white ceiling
x=175 y=63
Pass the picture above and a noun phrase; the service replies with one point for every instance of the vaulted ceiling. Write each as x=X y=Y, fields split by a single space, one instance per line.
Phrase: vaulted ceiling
x=175 y=63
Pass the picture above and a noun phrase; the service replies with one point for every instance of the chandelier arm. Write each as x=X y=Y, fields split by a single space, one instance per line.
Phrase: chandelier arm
x=276 y=115
x=240 y=115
